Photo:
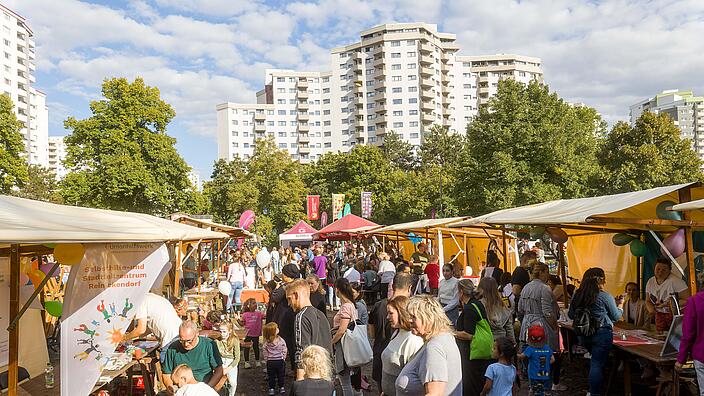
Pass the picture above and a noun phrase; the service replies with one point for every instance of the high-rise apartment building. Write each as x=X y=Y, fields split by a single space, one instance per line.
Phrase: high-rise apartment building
x=685 y=109
x=403 y=77
x=18 y=67
x=56 y=156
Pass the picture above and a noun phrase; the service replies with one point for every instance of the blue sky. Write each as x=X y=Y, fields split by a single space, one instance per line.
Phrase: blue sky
x=607 y=54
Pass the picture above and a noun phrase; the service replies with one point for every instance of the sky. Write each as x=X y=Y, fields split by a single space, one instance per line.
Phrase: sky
x=199 y=53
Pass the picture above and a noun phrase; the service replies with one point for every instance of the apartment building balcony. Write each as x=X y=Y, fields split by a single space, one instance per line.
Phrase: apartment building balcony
x=303 y=128
x=427 y=106
x=358 y=86
x=380 y=108
x=260 y=127
x=445 y=67
x=427 y=94
x=302 y=105
x=380 y=97
x=302 y=116
x=302 y=84
x=427 y=83
x=304 y=149
x=427 y=118
x=378 y=84
x=302 y=94
x=483 y=90
x=303 y=138
x=380 y=131
x=259 y=116
x=378 y=62
x=453 y=46
x=426 y=48
x=427 y=71
x=381 y=72
x=426 y=61
x=380 y=119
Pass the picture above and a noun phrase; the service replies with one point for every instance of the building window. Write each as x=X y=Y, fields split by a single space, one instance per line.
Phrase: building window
x=413 y=100
x=234 y=133
x=411 y=66
x=282 y=134
x=412 y=112
x=235 y=144
x=396 y=78
x=395 y=55
x=396 y=66
x=412 y=77
x=410 y=42
x=246 y=145
x=411 y=54
x=414 y=136
x=234 y=122
x=328 y=145
x=397 y=90
x=281 y=101
x=413 y=123
x=281 y=90
x=282 y=123
x=281 y=79
x=245 y=134
x=395 y=43
x=398 y=101
x=398 y=113
x=282 y=145
x=412 y=89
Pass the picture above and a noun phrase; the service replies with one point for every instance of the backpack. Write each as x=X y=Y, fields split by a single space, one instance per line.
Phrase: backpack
x=584 y=324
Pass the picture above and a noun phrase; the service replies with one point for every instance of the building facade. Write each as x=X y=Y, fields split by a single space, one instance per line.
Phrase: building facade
x=685 y=109
x=56 y=156
x=402 y=78
x=18 y=68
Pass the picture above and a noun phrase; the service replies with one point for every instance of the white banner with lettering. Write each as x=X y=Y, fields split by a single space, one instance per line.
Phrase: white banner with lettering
x=102 y=294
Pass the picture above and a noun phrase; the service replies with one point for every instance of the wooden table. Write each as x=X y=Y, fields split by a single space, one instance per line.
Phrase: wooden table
x=142 y=362
x=650 y=352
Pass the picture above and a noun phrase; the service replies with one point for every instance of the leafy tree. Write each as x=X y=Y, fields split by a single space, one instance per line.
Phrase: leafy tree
x=229 y=192
x=649 y=154
x=440 y=161
x=121 y=157
x=13 y=167
x=528 y=146
x=399 y=152
x=41 y=185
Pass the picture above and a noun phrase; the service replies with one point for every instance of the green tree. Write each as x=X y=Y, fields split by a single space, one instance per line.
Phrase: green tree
x=649 y=154
x=399 y=152
x=13 y=167
x=121 y=157
x=440 y=156
x=229 y=192
x=528 y=146
x=41 y=185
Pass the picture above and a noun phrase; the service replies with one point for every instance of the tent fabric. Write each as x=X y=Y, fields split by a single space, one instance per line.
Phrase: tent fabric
x=28 y=221
x=597 y=250
x=301 y=228
x=692 y=205
x=580 y=210
x=343 y=229
x=233 y=232
x=418 y=225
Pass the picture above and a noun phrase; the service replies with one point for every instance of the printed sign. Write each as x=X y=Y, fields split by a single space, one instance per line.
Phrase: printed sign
x=366 y=204
x=312 y=206
x=338 y=204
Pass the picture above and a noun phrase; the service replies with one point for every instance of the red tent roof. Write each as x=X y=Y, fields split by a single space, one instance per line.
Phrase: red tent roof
x=344 y=228
x=301 y=228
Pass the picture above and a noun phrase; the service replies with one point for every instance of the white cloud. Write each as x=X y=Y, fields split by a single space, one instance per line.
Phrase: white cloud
x=220 y=8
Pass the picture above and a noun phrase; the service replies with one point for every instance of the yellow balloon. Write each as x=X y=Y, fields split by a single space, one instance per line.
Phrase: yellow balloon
x=36 y=276
x=69 y=253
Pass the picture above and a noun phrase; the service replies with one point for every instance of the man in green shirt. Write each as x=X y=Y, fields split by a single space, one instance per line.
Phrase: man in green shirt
x=420 y=258
x=199 y=353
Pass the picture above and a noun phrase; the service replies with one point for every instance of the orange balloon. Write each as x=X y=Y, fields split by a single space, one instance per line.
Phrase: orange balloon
x=36 y=276
x=69 y=253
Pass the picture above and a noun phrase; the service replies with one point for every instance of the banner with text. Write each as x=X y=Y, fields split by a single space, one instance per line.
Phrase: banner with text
x=312 y=206
x=366 y=204
x=102 y=294
x=338 y=203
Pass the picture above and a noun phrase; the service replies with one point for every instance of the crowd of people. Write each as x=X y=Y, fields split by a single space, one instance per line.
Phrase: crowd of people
x=432 y=332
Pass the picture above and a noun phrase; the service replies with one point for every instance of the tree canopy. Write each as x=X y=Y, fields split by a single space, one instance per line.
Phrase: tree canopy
x=13 y=167
x=121 y=157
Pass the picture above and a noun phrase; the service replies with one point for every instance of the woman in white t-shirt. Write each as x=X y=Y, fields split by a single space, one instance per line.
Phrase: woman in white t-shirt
x=659 y=290
x=401 y=348
x=386 y=273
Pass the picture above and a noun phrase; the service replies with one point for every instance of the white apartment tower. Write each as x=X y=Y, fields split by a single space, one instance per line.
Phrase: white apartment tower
x=403 y=77
x=685 y=109
x=18 y=67
x=57 y=154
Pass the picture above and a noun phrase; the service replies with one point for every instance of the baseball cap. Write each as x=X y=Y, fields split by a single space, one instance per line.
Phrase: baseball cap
x=291 y=271
x=536 y=333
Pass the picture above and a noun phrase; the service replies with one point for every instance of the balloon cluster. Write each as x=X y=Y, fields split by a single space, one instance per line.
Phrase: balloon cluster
x=556 y=234
x=674 y=243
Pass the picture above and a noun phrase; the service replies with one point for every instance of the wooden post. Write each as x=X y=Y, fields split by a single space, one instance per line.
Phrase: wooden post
x=563 y=272
x=466 y=255
x=177 y=270
x=13 y=365
x=199 y=264
x=505 y=247
x=685 y=196
x=218 y=265
x=638 y=280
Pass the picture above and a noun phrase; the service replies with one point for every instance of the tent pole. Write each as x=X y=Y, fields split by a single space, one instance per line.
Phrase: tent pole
x=505 y=247
x=177 y=271
x=563 y=272
x=14 y=336
x=466 y=252
x=398 y=249
x=685 y=195
x=638 y=280
x=218 y=258
x=199 y=264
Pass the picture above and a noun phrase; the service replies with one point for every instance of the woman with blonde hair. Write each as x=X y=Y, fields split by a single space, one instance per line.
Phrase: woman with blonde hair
x=436 y=367
x=316 y=363
x=401 y=348
x=500 y=318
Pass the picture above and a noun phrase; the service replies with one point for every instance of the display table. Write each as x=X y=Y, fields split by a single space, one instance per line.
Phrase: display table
x=260 y=295
x=116 y=367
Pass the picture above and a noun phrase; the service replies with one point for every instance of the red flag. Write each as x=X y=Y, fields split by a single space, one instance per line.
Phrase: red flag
x=313 y=204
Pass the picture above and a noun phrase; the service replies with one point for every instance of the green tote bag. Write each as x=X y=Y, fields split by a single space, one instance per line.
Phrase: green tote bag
x=483 y=340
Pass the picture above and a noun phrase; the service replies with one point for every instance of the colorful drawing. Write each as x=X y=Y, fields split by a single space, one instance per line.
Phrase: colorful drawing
x=83 y=328
x=128 y=306
x=101 y=309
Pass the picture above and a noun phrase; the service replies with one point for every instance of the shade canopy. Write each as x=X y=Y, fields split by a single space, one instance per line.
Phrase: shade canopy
x=347 y=227
x=233 y=232
x=25 y=221
x=301 y=232
x=417 y=226
x=617 y=212
x=693 y=205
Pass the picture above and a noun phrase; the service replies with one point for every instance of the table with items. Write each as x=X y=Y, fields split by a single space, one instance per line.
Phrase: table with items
x=128 y=356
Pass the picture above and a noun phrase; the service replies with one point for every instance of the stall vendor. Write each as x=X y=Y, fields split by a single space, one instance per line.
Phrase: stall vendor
x=659 y=290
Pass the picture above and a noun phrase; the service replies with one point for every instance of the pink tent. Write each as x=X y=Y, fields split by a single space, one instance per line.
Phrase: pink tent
x=301 y=233
x=344 y=229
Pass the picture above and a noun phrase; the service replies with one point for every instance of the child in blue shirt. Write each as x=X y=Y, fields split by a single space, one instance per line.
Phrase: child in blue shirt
x=501 y=376
x=539 y=355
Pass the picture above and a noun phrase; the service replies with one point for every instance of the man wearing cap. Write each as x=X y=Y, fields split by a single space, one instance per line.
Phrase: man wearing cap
x=283 y=315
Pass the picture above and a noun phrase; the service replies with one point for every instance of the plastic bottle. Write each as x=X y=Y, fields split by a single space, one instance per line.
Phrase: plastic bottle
x=49 y=375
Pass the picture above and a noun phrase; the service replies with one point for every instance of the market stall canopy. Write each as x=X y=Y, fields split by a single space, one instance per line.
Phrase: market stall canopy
x=25 y=221
x=417 y=226
x=343 y=229
x=301 y=232
x=233 y=232
x=632 y=210
x=693 y=205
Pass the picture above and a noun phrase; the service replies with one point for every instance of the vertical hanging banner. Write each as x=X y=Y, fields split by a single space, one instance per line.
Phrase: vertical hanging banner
x=102 y=295
x=323 y=219
x=366 y=204
x=338 y=203
x=313 y=207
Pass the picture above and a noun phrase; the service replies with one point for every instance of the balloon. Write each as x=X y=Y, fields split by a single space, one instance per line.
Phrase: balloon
x=557 y=234
x=674 y=243
x=45 y=268
x=323 y=219
x=247 y=219
x=413 y=238
x=638 y=248
x=537 y=232
x=54 y=308
x=347 y=210
x=662 y=212
x=36 y=276
x=225 y=288
x=622 y=239
x=263 y=258
x=24 y=279
x=69 y=253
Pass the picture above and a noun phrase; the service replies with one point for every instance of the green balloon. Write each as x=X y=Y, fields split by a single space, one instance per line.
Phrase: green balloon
x=622 y=239
x=638 y=248
x=664 y=214
x=54 y=308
